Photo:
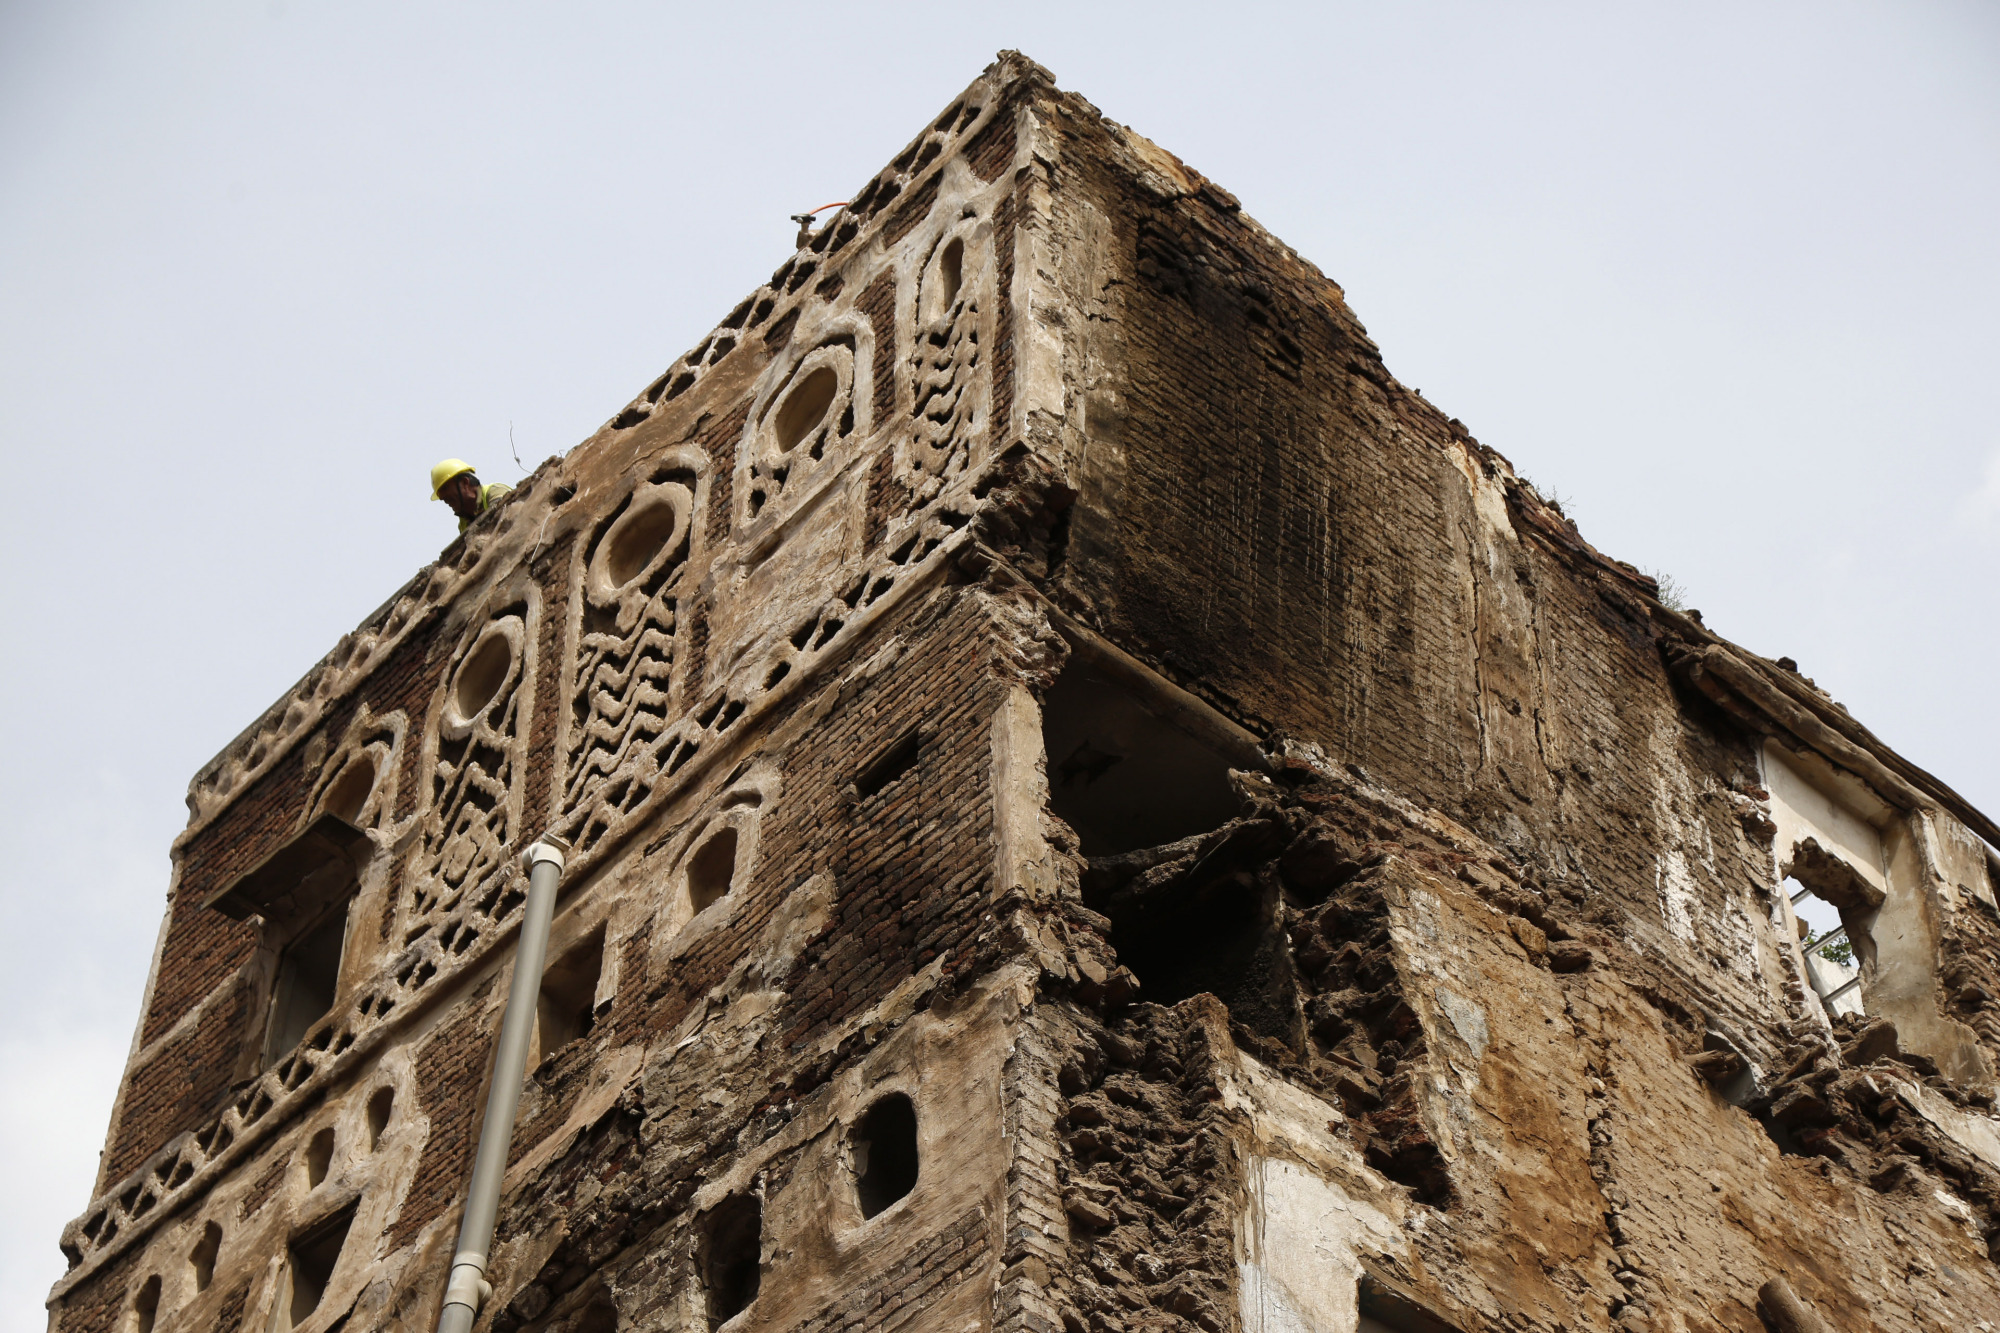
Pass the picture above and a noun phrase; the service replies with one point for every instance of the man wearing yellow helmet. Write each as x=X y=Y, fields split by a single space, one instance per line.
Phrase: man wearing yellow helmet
x=454 y=482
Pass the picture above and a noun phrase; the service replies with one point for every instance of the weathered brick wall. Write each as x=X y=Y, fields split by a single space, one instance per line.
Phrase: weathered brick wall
x=1274 y=522
x=451 y=1077
x=1970 y=971
x=910 y=863
x=914 y=1284
x=178 y=1086
x=204 y=948
x=182 y=1083
x=1534 y=1088
x=105 y=1306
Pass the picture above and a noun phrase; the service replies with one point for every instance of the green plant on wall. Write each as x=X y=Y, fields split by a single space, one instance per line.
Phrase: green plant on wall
x=1840 y=951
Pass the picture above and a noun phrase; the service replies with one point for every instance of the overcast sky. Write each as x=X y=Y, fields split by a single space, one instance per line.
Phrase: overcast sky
x=1722 y=276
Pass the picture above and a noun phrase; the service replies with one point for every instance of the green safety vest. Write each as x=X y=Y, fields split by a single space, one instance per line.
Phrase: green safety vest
x=489 y=495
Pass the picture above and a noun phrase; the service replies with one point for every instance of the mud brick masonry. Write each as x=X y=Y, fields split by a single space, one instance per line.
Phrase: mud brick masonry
x=1093 y=808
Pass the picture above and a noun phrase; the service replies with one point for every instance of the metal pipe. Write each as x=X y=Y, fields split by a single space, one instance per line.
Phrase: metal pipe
x=467 y=1288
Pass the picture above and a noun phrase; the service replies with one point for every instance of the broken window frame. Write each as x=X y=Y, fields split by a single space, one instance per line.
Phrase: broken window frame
x=1097 y=661
x=1812 y=947
x=294 y=892
x=1240 y=912
x=1848 y=836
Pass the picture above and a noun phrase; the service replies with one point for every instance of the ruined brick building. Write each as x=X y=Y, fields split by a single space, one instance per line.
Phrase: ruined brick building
x=1092 y=808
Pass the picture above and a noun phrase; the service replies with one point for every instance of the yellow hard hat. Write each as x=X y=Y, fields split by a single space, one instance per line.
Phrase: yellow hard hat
x=445 y=471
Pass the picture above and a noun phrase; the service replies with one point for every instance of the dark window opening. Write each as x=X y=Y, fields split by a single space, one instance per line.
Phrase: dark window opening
x=202 y=1257
x=884 y=1149
x=1217 y=930
x=567 y=1008
x=302 y=891
x=804 y=408
x=146 y=1306
x=348 y=793
x=1385 y=1308
x=712 y=870
x=481 y=675
x=732 y=1258
x=379 y=1108
x=886 y=767
x=319 y=1156
x=312 y=1259
x=308 y=979
x=1123 y=777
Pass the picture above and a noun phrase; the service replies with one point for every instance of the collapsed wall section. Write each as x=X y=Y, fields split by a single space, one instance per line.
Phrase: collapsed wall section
x=1486 y=1112
x=1266 y=518
x=1083 y=792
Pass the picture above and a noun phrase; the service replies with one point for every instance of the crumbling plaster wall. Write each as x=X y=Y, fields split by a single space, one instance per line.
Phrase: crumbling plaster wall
x=1592 y=1173
x=1898 y=879
x=1519 y=876
x=1268 y=518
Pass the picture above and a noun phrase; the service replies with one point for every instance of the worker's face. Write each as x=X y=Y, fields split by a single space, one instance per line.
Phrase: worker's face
x=462 y=494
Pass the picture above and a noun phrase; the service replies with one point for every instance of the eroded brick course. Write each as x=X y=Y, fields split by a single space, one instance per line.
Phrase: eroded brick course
x=1476 y=1004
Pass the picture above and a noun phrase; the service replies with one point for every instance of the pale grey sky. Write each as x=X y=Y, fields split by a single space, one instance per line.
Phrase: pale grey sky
x=1721 y=275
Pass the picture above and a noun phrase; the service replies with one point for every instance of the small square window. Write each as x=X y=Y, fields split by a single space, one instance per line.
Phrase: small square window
x=310 y=1262
x=567 y=1008
x=308 y=980
x=732 y=1256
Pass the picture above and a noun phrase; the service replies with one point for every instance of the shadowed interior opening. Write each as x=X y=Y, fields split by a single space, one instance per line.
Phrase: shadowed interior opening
x=1384 y=1309
x=319 y=1156
x=884 y=1148
x=1221 y=934
x=804 y=408
x=201 y=1259
x=1120 y=775
x=380 y=1106
x=308 y=978
x=891 y=764
x=311 y=1260
x=566 y=1009
x=731 y=1256
x=712 y=870
x=146 y=1306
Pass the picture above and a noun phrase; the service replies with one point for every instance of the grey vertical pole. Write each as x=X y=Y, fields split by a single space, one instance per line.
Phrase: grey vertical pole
x=468 y=1289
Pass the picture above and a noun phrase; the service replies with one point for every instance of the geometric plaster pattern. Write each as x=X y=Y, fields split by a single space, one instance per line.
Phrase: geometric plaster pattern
x=628 y=742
